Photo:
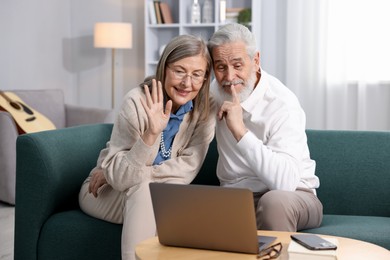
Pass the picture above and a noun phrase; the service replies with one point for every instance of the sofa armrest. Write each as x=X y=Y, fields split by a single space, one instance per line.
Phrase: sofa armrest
x=50 y=169
x=76 y=115
x=8 y=135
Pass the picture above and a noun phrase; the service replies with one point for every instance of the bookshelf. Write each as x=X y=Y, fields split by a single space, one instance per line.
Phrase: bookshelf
x=158 y=35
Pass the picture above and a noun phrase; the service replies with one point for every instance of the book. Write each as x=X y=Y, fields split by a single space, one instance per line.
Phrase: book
x=152 y=13
x=166 y=13
x=298 y=252
x=158 y=11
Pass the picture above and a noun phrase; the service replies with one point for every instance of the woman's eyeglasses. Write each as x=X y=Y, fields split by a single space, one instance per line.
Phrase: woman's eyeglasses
x=196 y=78
x=271 y=252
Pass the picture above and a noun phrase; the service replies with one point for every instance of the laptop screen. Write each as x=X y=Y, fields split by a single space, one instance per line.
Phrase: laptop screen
x=206 y=217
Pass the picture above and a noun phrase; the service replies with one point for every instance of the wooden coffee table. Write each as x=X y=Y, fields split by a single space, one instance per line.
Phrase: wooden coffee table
x=347 y=249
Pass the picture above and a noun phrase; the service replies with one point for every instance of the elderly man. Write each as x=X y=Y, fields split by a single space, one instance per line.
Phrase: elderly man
x=261 y=135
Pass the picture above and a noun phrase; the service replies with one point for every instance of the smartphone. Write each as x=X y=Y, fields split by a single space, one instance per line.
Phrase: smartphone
x=313 y=242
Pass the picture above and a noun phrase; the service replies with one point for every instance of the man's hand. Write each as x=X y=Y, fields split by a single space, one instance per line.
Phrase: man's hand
x=97 y=180
x=232 y=112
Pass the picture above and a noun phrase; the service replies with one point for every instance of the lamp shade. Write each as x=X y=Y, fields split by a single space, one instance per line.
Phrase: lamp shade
x=113 y=35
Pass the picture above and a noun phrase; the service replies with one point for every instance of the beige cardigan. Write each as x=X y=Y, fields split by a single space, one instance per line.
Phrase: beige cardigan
x=128 y=160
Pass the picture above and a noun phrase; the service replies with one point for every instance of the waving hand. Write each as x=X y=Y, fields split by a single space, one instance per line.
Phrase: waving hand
x=154 y=108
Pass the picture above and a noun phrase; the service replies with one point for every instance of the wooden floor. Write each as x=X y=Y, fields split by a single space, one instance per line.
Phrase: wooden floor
x=7 y=217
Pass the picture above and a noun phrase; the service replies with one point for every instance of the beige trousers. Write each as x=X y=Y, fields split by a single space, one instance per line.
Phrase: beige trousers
x=287 y=210
x=132 y=208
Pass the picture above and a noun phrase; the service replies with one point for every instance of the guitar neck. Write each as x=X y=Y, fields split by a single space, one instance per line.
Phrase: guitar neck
x=5 y=96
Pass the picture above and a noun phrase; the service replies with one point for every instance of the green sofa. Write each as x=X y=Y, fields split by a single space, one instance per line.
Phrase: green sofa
x=354 y=169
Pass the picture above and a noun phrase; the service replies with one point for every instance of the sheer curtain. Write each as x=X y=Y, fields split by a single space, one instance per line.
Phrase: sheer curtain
x=333 y=55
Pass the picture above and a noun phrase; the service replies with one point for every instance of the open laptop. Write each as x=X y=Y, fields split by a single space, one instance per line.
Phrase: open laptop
x=207 y=217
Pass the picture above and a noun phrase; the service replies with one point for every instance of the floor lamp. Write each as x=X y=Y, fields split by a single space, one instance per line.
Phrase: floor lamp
x=114 y=36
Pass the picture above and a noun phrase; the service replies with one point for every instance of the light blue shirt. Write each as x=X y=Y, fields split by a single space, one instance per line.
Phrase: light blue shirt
x=172 y=128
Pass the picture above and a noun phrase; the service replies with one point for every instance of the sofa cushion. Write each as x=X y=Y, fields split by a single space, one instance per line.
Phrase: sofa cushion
x=371 y=229
x=69 y=230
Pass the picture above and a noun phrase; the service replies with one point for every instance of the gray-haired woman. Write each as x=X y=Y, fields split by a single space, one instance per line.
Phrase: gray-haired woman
x=161 y=134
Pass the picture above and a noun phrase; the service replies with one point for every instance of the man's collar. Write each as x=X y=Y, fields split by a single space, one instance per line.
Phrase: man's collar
x=257 y=93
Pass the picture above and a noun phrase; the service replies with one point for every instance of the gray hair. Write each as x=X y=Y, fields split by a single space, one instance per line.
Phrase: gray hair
x=180 y=47
x=231 y=33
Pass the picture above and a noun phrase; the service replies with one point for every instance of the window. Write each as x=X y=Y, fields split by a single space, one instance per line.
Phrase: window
x=359 y=39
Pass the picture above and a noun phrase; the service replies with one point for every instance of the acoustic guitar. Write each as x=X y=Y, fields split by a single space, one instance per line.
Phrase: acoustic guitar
x=26 y=118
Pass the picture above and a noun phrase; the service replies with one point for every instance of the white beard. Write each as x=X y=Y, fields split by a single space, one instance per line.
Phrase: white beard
x=221 y=95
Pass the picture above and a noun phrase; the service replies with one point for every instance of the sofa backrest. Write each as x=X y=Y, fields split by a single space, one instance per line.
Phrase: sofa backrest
x=48 y=102
x=353 y=167
x=208 y=173
x=354 y=171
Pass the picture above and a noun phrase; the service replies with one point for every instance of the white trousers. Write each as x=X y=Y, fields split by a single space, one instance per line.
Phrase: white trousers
x=132 y=208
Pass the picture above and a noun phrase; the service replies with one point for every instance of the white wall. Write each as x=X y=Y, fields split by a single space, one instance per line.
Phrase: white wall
x=49 y=44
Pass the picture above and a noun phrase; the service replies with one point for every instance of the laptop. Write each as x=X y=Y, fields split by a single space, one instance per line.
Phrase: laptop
x=207 y=217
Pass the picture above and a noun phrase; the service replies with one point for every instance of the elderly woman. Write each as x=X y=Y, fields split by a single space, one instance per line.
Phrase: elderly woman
x=161 y=134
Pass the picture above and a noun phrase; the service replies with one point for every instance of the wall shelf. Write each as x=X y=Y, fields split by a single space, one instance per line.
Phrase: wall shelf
x=157 y=35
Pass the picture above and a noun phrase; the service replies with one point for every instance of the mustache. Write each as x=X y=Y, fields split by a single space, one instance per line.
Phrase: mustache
x=234 y=82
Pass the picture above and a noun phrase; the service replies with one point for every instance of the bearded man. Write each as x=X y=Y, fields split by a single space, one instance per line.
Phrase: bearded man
x=261 y=136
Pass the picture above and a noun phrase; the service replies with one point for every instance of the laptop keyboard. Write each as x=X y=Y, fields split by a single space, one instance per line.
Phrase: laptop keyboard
x=261 y=244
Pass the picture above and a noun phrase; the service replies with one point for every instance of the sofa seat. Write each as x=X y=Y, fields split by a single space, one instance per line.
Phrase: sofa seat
x=371 y=229
x=96 y=239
